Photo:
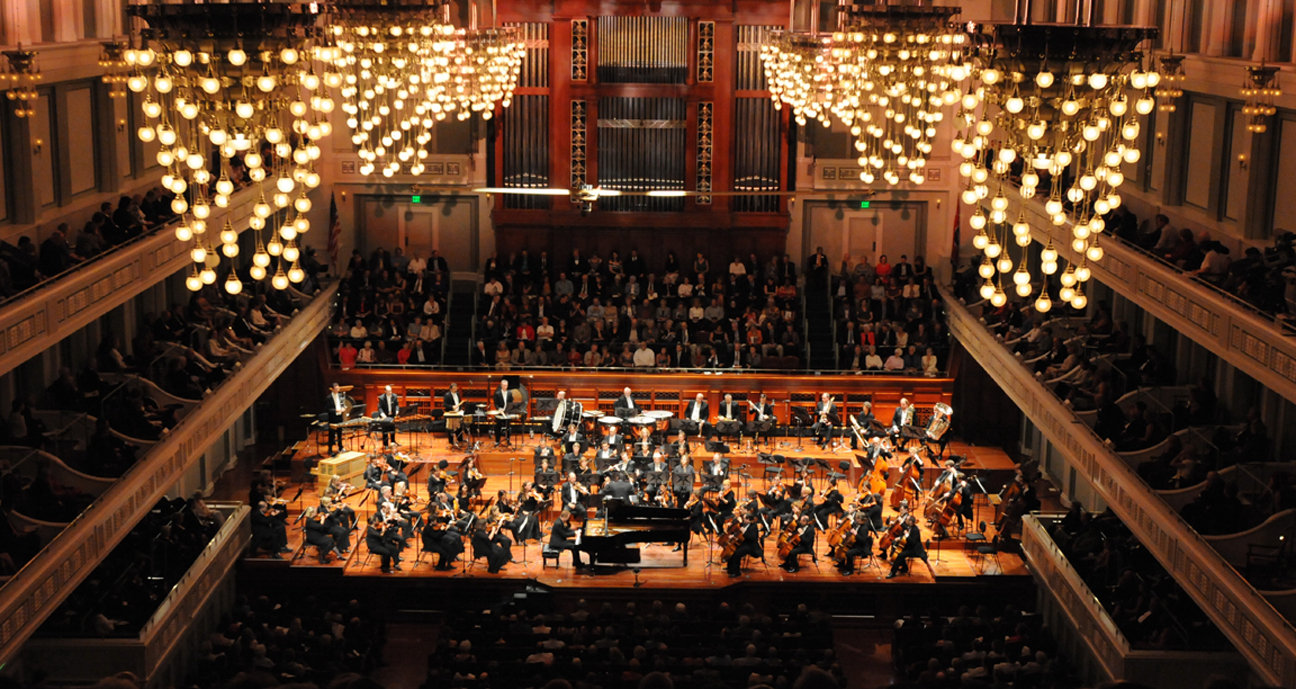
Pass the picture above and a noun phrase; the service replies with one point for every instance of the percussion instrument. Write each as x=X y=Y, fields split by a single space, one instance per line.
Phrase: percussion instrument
x=591 y=414
x=641 y=420
x=610 y=420
x=662 y=418
x=940 y=420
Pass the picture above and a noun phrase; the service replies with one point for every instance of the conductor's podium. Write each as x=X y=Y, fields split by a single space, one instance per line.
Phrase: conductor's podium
x=347 y=466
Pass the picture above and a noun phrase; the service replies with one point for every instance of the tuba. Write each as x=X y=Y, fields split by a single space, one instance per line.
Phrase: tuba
x=940 y=420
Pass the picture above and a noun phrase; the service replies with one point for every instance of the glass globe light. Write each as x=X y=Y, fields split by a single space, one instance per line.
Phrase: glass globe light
x=291 y=253
x=1023 y=289
x=1068 y=279
x=1043 y=303
x=1079 y=300
x=198 y=254
x=183 y=232
x=232 y=284
x=1067 y=293
x=986 y=269
x=1004 y=264
x=993 y=249
x=280 y=280
x=998 y=298
x=260 y=258
x=1094 y=253
x=1083 y=274
x=1048 y=267
x=987 y=290
x=296 y=274
x=257 y=272
x=208 y=276
x=230 y=250
x=193 y=283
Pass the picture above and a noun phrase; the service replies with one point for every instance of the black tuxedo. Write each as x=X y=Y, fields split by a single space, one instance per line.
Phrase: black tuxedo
x=625 y=408
x=700 y=410
x=335 y=406
x=823 y=425
x=750 y=547
x=729 y=410
x=803 y=546
x=388 y=408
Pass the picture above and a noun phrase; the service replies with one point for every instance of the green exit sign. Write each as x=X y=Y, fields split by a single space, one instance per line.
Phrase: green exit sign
x=416 y=199
x=864 y=205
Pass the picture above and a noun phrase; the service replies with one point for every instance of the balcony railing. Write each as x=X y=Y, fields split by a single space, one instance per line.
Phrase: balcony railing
x=1255 y=628
x=57 y=308
x=1096 y=628
x=38 y=588
x=1244 y=337
x=166 y=630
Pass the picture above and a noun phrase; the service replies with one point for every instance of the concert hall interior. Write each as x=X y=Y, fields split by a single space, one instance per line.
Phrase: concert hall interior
x=605 y=344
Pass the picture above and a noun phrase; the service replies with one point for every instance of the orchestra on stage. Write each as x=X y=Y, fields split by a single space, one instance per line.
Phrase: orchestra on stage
x=601 y=482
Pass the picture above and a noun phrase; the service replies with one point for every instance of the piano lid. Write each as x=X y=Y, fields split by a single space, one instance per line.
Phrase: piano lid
x=621 y=511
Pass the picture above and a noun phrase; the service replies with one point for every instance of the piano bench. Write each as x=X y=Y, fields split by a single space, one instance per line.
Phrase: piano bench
x=546 y=554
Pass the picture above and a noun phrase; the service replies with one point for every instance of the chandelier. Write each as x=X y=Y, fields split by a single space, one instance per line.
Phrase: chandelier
x=402 y=67
x=231 y=94
x=112 y=60
x=886 y=74
x=1058 y=109
x=1260 y=90
x=21 y=76
x=1172 y=75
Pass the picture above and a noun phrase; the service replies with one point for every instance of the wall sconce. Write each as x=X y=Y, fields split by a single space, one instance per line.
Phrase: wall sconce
x=1242 y=161
x=1160 y=138
x=344 y=195
x=37 y=145
x=121 y=124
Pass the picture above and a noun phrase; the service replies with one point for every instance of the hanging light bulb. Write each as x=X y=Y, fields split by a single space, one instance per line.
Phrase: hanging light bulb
x=232 y=284
x=998 y=298
x=280 y=280
x=1079 y=300
x=193 y=282
x=296 y=274
x=987 y=289
x=1043 y=304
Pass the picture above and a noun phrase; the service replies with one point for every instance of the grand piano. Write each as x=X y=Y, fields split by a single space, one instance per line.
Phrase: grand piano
x=607 y=540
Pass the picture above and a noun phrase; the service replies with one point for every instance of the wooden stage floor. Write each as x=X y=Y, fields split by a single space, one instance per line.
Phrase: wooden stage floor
x=953 y=559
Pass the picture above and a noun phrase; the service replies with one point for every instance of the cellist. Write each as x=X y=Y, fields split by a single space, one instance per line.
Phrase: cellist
x=749 y=545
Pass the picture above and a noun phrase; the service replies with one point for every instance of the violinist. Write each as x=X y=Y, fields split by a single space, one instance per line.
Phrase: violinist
x=749 y=546
x=394 y=476
x=643 y=445
x=858 y=542
x=490 y=546
x=777 y=503
x=573 y=492
x=318 y=535
x=471 y=477
x=696 y=508
x=269 y=530
x=913 y=547
x=562 y=537
x=383 y=539
x=800 y=535
x=614 y=439
x=726 y=501
x=375 y=473
x=337 y=489
x=392 y=514
x=340 y=520
x=682 y=479
x=439 y=478
x=870 y=506
x=441 y=537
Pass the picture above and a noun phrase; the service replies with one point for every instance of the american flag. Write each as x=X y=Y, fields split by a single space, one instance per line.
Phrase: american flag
x=335 y=234
x=954 y=250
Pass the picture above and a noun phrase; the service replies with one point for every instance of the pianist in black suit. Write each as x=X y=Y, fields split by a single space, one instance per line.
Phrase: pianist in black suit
x=749 y=547
x=695 y=416
x=563 y=537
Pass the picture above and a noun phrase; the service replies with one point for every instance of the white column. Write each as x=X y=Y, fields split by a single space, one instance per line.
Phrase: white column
x=69 y=20
x=108 y=18
x=1217 y=26
x=1268 y=36
x=18 y=24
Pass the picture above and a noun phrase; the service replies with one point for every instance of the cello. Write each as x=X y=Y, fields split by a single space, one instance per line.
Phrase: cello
x=729 y=539
x=788 y=539
x=904 y=488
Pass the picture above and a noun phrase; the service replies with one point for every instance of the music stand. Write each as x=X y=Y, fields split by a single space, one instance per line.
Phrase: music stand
x=800 y=420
